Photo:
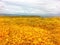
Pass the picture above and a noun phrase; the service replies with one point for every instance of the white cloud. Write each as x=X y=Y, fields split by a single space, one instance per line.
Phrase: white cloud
x=42 y=7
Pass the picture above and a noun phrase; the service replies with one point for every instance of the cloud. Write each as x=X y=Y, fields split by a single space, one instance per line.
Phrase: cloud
x=41 y=7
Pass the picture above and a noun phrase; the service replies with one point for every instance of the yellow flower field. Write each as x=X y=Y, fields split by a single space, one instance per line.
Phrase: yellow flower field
x=29 y=30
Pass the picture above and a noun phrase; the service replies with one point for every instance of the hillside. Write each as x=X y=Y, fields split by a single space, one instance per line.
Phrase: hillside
x=29 y=30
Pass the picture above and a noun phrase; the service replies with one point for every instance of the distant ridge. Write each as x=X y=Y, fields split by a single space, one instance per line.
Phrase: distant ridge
x=15 y=15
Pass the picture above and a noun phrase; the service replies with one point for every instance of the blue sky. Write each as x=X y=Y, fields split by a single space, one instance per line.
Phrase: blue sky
x=33 y=7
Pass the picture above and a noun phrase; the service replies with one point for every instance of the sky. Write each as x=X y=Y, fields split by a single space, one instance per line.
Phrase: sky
x=33 y=7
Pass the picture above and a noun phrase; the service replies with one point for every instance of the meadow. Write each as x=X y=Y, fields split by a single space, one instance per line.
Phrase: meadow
x=29 y=30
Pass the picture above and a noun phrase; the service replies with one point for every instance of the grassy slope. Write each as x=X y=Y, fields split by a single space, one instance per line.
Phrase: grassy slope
x=29 y=30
